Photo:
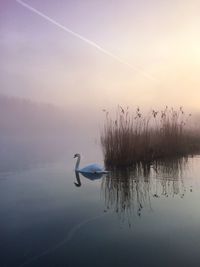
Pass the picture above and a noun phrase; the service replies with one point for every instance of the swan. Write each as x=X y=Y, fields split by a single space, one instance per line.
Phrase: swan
x=92 y=168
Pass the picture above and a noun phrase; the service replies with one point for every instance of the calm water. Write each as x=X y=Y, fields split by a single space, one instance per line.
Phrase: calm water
x=137 y=218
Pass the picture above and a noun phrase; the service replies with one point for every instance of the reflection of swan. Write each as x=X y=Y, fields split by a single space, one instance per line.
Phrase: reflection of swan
x=91 y=176
x=90 y=169
x=78 y=183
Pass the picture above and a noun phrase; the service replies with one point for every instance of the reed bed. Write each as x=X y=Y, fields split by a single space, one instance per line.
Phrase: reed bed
x=130 y=138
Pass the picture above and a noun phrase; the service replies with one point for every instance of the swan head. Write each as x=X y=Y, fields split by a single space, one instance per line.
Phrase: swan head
x=77 y=155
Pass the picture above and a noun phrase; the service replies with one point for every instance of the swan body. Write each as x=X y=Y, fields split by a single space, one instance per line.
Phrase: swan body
x=92 y=168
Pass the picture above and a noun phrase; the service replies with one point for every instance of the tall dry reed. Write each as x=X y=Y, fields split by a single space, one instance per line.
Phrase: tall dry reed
x=131 y=138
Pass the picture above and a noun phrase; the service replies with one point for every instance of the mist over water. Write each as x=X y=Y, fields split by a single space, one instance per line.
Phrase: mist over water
x=31 y=133
x=34 y=132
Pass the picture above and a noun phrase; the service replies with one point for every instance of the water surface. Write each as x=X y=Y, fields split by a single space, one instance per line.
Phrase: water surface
x=144 y=217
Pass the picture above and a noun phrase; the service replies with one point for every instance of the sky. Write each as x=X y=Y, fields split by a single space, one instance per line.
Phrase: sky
x=159 y=39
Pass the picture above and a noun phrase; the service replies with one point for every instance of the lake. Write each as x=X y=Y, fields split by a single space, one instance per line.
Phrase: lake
x=145 y=217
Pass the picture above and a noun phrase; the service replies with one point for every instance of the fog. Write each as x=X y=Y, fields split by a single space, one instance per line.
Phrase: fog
x=31 y=133
x=158 y=39
x=41 y=63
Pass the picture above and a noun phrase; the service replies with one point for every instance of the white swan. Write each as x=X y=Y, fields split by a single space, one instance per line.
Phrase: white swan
x=92 y=168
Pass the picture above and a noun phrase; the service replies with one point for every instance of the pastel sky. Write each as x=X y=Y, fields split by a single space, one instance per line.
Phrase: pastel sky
x=158 y=37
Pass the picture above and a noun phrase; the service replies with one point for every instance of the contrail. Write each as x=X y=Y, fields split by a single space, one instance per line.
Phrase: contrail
x=64 y=28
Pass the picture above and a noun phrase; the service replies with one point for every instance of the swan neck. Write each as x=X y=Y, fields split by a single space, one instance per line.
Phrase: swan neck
x=77 y=163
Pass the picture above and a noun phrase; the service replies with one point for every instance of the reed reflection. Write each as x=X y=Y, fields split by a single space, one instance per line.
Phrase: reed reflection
x=169 y=176
x=128 y=192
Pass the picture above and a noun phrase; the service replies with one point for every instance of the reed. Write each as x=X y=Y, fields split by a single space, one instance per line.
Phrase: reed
x=130 y=138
